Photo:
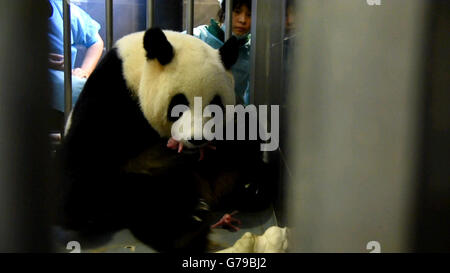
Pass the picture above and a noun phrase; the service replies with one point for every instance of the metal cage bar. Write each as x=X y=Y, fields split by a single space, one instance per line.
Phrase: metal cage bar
x=109 y=24
x=253 y=56
x=228 y=21
x=190 y=17
x=67 y=60
x=150 y=13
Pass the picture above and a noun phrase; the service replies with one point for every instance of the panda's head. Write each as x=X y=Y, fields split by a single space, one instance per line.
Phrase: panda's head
x=172 y=69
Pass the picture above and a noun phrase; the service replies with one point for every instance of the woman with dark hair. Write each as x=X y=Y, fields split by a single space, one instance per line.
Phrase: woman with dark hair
x=214 y=35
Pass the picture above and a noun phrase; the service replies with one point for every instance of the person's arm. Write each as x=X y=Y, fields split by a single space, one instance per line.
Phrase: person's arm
x=56 y=61
x=93 y=54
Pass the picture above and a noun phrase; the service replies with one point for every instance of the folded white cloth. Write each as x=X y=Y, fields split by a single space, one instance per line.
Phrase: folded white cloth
x=274 y=240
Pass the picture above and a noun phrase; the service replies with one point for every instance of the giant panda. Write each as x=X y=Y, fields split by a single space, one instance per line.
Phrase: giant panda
x=118 y=168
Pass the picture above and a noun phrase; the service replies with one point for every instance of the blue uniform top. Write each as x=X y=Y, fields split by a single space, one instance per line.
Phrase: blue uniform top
x=84 y=29
x=240 y=70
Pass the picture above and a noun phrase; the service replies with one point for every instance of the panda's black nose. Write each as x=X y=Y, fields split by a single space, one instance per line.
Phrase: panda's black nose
x=198 y=142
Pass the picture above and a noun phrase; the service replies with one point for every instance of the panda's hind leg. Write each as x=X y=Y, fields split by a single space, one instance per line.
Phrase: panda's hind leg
x=166 y=213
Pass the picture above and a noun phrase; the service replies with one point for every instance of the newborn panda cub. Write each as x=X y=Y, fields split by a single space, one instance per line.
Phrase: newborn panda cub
x=122 y=168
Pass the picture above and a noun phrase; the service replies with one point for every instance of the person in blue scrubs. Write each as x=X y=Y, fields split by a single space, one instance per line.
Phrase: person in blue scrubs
x=214 y=35
x=84 y=32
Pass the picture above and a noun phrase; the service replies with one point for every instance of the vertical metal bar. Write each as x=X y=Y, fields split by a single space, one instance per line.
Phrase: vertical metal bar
x=67 y=59
x=150 y=13
x=382 y=163
x=109 y=24
x=253 y=57
x=282 y=37
x=190 y=17
x=228 y=21
x=26 y=196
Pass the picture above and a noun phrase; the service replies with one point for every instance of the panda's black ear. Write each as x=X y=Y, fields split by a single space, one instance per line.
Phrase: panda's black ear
x=229 y=52
x=157 y=46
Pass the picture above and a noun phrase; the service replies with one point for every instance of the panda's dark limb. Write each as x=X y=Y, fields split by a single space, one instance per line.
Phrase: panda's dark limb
x=183 y=213
x=233 y=189
x=256 y=183
x=91 y=206
x=234 y=177
x=166 y=213
x=163 y=211
x=107 y=126
x=254 y=188
x=106 y=129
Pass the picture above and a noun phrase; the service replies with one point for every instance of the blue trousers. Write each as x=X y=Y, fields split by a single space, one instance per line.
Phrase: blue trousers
x=57 y=84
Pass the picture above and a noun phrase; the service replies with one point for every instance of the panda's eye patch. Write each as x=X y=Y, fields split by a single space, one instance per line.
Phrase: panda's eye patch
x=217 y=101
x=178 y=99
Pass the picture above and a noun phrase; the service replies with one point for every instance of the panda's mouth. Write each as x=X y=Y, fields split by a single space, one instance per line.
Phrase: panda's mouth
x=179 y=146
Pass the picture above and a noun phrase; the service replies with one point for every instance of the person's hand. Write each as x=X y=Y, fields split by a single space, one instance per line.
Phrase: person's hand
x=56 y=61
x=79 y=72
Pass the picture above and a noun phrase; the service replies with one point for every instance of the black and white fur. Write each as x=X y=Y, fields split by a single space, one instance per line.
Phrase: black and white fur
x=118 y=172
